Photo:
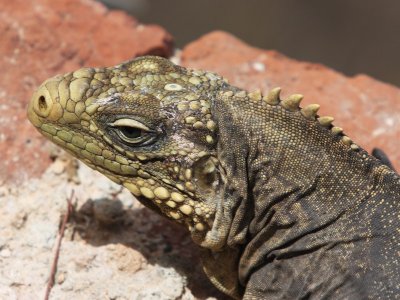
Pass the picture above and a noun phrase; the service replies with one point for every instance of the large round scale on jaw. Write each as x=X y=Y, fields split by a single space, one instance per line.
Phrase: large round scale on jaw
x=133 y=188
x=199 y=227
x=148 y=193
x=186 y=209
x=171 y=204
x=161 y=193
x=175 y=215
x=177 y=197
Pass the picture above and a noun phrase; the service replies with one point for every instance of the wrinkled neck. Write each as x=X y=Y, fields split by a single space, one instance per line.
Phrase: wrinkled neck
x=290 y=188
x=282 y=170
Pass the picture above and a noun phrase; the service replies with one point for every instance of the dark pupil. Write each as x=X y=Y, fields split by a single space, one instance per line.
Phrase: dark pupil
x=130 y=132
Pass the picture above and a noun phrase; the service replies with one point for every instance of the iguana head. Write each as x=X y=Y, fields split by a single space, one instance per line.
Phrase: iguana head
x=146 y=124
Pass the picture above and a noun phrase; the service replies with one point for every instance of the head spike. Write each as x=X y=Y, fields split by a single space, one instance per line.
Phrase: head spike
x=240 y=94
x=227 y=94
x=337 y=130
x=347 y=140
x=292 y=102
x=310 y=111
x=273 y=96
x=325 y=121
x=255 y=95
x=354 y=147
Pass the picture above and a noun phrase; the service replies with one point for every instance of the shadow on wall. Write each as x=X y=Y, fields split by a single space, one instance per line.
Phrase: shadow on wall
x=349 y=36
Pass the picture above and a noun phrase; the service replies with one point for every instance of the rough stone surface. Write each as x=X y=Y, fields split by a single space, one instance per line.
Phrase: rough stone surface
x=112 y=248
x=367 y=109
x=41 y=38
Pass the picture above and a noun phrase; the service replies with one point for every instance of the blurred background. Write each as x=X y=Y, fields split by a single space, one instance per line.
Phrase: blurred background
x=357 y=36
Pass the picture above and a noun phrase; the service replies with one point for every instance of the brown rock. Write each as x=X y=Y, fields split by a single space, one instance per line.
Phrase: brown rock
x=367 y=109
x=42 y=38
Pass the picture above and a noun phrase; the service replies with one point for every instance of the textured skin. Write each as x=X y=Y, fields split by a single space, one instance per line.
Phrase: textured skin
x=284 y=205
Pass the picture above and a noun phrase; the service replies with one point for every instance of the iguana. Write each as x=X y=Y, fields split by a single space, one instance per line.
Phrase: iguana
x=283 y=204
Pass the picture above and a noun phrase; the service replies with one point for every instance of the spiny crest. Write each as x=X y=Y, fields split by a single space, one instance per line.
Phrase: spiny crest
x=310 y=111
x=273 y=96
x=255 y=95
x=292 y=103
x=326 y=121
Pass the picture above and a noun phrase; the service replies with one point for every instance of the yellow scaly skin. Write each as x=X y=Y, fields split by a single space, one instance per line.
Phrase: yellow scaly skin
x=87 y=111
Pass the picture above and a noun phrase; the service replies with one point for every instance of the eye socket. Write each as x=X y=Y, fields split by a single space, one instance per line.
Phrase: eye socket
x=132 y=131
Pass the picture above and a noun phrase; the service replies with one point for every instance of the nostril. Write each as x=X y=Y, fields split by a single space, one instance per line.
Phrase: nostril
x=42 y=104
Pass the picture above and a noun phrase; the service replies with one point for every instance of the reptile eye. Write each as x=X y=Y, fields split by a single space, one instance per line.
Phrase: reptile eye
x=132 y=131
